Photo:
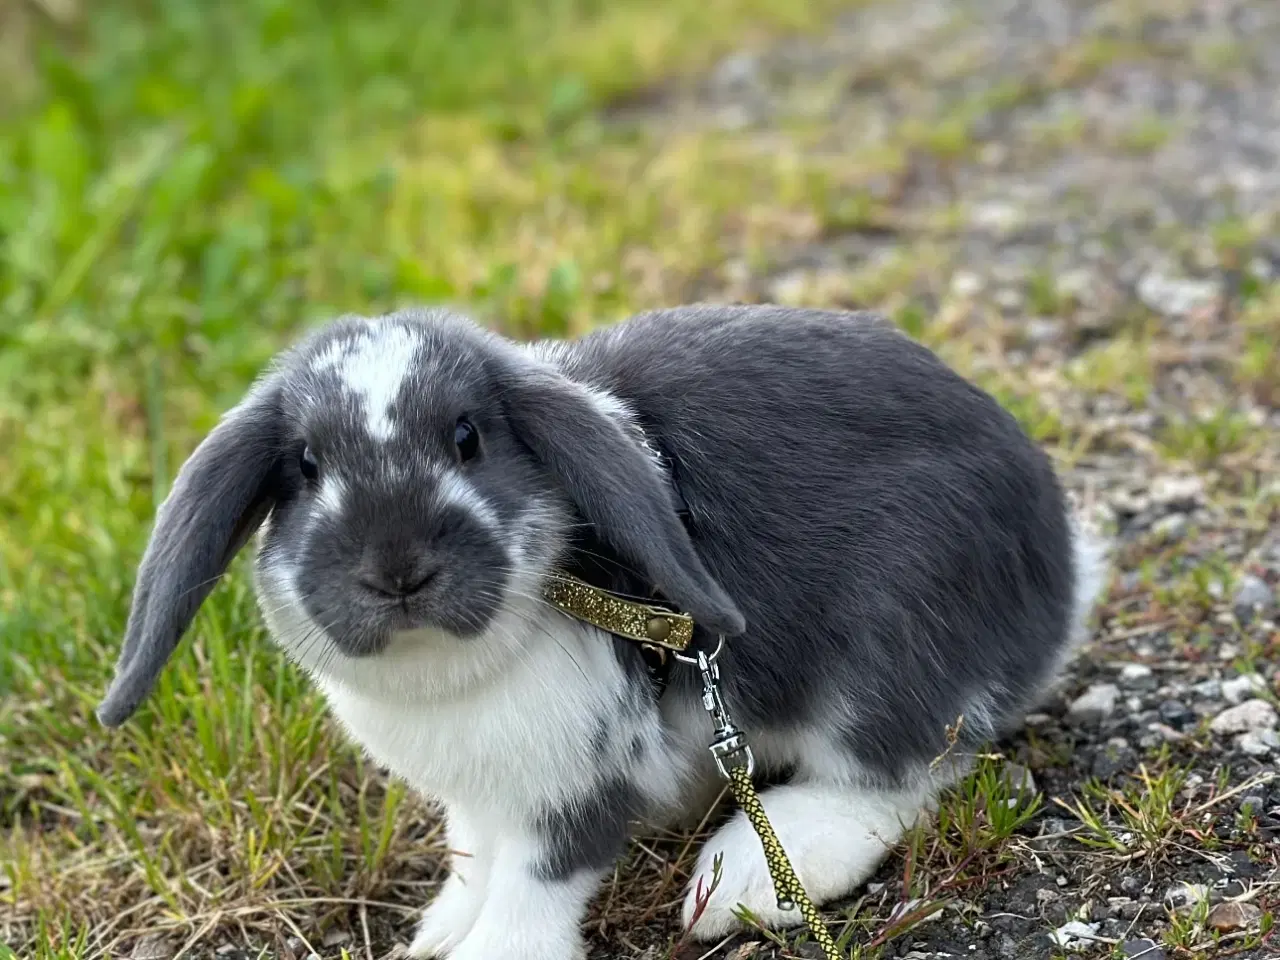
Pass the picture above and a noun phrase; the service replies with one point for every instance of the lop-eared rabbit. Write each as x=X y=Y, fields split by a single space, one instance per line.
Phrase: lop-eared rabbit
x=882 y=548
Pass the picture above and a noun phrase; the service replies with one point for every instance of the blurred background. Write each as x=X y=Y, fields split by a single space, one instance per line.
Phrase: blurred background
x=1073 y=201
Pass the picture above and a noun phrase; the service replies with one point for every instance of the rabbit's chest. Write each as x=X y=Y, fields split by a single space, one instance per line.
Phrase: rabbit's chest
x=545 y=728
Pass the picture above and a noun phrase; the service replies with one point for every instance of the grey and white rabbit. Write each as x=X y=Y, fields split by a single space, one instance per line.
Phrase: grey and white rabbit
x=882 y=546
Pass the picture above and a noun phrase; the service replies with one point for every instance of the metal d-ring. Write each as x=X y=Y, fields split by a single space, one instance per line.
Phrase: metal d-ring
x=699 y=658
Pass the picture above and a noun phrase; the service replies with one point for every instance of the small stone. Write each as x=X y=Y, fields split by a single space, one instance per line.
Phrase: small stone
x=737 y=71
x=1142 y=950
x=1208 y=689
x=1042 y=330
x=1250 y=716
x=1166 y=733
x=966 y=284
x=1238 y=689
x=1131 y=885
x=1258 y=743
x=154 y=946
x=789 y=288
x=1186 y=894
x=336 y=938
x=1233 y=916
x=1008 y=299
x=1132 y=672
x=1252 y=805
x=1177 y=492
x=1020 y=779
x=1095 y=704
x=1075 y=935
x=1175 y=296
x=1076 y=285
x=1254 y=596
x=1176 y=714
x=1116 y=755
x=1170 y=527
x=1241 y=864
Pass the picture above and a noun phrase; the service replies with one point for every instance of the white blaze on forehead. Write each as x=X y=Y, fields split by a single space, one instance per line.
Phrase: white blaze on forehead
x=374 y=365
x=456 y=489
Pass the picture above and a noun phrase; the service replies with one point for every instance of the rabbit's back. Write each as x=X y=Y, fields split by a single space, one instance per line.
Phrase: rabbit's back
x=900 y=548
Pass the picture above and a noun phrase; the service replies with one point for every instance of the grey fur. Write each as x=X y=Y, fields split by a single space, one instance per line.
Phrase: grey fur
x=589 y=833
x=898 y=546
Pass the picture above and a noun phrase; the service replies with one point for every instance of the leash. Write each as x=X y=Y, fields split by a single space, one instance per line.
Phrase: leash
x=661 y=632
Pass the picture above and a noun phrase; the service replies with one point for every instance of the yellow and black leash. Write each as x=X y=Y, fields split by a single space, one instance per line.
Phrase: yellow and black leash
x=664 y=631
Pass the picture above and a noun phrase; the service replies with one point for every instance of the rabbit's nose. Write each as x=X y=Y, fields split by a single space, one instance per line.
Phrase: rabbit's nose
x=397 y=574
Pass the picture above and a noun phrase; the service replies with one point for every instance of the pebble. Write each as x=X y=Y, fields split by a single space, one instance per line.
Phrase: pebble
x=1254 y=596
x=1233 y=916
x=1095 y=704
x=1175 y=296
x=1176 y=714
x=154 y=946
x=1241 y=688
x=1208 y=689
x=1251 y=716
x=736 y=72
x=1075 y=935
x=1173 y=491
x=1142 y=950
x=1252 y=805
x=1258 y=743
x=1132 y=672
x=1170 y=527
x=1020 y=777
x=965 y=284
x=1186 y=894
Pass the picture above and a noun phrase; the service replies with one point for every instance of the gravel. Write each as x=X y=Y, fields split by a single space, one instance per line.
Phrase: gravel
x=1065 y=246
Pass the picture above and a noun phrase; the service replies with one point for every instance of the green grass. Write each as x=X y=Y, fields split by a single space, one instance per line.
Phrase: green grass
x=183 y=189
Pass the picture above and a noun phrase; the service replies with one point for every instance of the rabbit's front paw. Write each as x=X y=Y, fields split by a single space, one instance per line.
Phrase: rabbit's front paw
x=834 y=835
x=447 y=921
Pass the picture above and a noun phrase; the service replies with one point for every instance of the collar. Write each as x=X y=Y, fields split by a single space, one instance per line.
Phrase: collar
x=657 y=631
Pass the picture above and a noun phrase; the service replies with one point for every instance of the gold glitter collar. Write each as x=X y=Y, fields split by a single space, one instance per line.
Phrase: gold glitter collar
x=636 y=621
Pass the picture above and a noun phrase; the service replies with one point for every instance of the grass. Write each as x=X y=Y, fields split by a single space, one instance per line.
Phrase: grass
x=185 y=187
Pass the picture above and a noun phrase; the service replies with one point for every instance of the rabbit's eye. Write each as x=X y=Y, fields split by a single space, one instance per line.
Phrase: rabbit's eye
x=309 y=464
x=466 y=438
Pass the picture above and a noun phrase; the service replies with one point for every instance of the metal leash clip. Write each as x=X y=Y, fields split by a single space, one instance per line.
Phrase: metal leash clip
x=729 y=743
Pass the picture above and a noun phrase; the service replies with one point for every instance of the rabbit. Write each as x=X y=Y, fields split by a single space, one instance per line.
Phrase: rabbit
x=891 y=563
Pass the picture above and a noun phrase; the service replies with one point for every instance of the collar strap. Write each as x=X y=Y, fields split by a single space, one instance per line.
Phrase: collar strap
x=641 y=622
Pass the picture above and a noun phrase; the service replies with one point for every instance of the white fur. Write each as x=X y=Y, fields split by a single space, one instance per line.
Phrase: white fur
x=514 y=915
x=457 y=489
x=1090 y=557
x=374 y=366
x=835 y=836
x=498 y=728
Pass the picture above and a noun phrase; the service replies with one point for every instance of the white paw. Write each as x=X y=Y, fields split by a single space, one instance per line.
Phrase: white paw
x=744 y=883
x=447 y=921
x=835 y=836
x=486 y=942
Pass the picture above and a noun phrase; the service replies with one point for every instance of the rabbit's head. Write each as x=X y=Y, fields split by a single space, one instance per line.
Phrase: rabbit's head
x=413 y=480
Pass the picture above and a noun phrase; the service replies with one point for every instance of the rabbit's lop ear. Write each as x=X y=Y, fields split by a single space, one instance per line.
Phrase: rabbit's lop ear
x=612 y=482
x=219 y=498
